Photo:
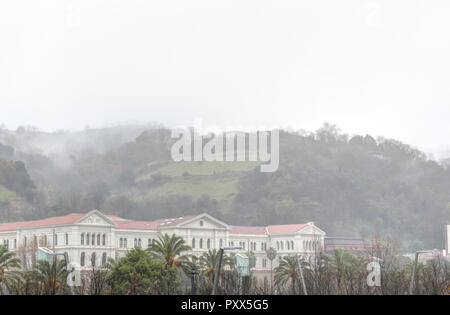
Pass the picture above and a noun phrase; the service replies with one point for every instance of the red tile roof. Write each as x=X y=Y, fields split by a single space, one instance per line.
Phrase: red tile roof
x=285 y=228
x=268 y=230
x=67 y=219
x=147 y=225
x=121 y=223
x=254 y=230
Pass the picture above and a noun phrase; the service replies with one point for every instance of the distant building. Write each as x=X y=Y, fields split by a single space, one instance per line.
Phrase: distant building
x=89 y=239
x=346 y=243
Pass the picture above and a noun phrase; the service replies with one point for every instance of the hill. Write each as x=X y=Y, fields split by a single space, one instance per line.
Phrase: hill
x=353 y=186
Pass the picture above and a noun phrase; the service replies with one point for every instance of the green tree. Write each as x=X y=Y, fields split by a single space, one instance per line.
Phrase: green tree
x=8 y=261
x=51 y=276
x=169 y=249
x=137 y=274
x=287 y=271
x=209 y=260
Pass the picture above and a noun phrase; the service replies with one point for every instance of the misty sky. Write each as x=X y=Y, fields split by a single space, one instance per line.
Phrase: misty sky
x=378 y=67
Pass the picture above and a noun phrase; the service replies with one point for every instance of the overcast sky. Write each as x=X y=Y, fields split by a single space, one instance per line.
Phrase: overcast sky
x=377 y=67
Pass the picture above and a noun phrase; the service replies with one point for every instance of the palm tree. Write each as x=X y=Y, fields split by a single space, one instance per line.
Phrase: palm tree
x=286 y=271
x=169 y=249
x=8 y=261
x=271 y=255
x=51 y=275
x=209 y=260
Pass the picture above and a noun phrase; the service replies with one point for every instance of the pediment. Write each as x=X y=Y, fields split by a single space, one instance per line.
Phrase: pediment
x=95 y=218
x=204 y=221
x=312 y=229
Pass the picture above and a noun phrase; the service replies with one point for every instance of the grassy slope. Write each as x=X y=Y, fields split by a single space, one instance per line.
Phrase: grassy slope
x=7 y=195
x=219 y=180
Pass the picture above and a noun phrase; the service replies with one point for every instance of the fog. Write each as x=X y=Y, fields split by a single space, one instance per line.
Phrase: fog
x=377 y=67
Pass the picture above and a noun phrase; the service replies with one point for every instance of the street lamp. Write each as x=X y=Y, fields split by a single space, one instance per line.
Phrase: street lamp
x=413 y=275
x=219 y=265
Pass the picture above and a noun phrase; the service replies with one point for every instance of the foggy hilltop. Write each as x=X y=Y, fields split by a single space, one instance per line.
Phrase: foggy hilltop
x=349 y=185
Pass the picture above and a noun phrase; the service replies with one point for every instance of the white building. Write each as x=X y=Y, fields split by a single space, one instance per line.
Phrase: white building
x=91 y=238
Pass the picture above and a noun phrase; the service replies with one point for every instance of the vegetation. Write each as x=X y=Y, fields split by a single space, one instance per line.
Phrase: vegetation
x=143 y=272
x=349 y=186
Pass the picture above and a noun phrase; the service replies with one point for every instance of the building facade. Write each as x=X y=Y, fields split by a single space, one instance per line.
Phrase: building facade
x=91 y=238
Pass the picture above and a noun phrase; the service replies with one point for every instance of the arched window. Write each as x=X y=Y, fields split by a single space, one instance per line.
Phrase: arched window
x=121 y=243
x=82 y=238
x=200 y=243
x=93 y=259
x=82 y=259
x=292 y=245
x=104 y=259
x=125 y=242
x=208 y=243
x=87 y=238
x=104 y=240
x=93 y=239
x=135 y=242
x=288 y=245
x=67 y=239
x=139 y=243
x=149 y=244
x=98 y=239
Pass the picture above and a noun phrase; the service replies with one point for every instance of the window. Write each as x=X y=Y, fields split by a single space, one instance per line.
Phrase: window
x=121 y=243
x=93 y=239
x=98 y=239
x=200 y=243
x=201 y=222
x=288 y=245
x=93 y=258
x=67 y=239
x=125 y=242
x=104 y=240
x=292 y=245
x=87 y=239
x=82 y=238
x=193 y=243
x=149 y=244
x=264 y=263
x=15 y=243
x=55 y=239
x=139 y=243
x=220 y=243
x=135 y=242
x=104 y=259
x=82 y=259
x=25 y=241
x=208 y=243
x=278 y=245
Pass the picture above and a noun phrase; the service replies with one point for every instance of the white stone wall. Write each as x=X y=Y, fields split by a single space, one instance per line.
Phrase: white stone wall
x=202 y=229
